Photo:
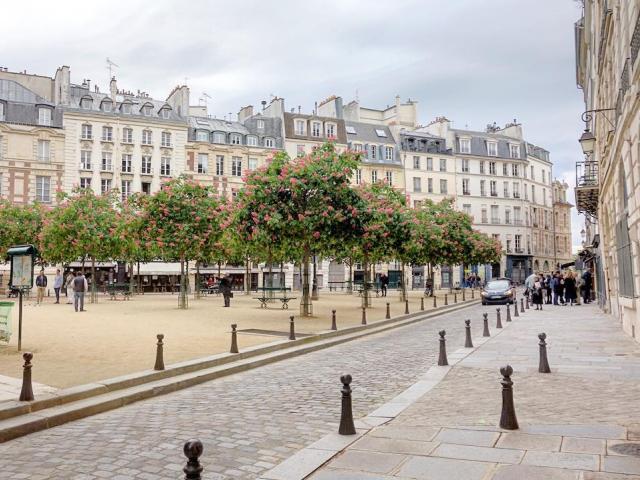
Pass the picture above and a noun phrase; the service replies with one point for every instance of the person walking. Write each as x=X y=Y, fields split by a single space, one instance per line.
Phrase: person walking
x=555 y=282
x=57 y=284
x=80 y=286
x=570 y=288
x=536 y=294
x=225 y=289
x=69 y=287
x=547 y=288
x=528 y=284
x=586 y=288
x=384 y=283
x=41 y=284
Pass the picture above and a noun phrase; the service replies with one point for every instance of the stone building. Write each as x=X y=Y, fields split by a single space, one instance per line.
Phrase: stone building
x=607 y=182
x=561 y=224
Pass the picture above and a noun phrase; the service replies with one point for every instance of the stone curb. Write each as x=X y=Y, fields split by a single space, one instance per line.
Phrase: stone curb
x=21 y=418
x=306 y=461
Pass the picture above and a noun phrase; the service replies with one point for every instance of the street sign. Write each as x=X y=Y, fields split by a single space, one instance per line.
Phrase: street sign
x=23 y=259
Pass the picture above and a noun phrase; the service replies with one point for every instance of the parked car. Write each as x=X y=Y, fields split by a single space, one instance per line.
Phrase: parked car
x=498 y=291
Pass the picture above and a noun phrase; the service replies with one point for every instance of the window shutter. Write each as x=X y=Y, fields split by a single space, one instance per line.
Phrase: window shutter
x=366 y=149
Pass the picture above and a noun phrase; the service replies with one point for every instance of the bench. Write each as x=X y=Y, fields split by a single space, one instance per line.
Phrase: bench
x=115 y=290
x=264 y=300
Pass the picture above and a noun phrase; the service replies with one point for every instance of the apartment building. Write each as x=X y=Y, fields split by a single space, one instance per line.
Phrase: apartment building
x=561 y=224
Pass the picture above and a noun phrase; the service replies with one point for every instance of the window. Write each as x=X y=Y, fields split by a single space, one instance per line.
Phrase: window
x=252 y=163
x=300 y=150
x=202 y=136
x=492 y=149
x=506 y=189
x=517 y=218
x=203 y=163
x=165 y=112
x=381 y=133
x=299 y=127
x=105 y=185
x=165 y=166
x=443 y=187
x=518 y=241
x=374 y=176
x=372 y=151
x=544 y=180
x=43 y=150
x=507 y=216
x=466 y=208
x=544 y=196
x=417 y=184
x=532 y=173
x=465 y=165
x=316 y=128
x=350 y=129
x=483 y=190
x=493 y=187
x=235 y=139
x=106 y=105
x=515 y=170
x=126 y=163
x=127 y=135
x=106 y=165
x=483 y=216
x=358 y=176
x=388 y=154
x=85 y=159
x=146 y=137
x=357 y=147
x=492 y=168
x=514 y=150
x=429 y=164
x=107 y=134
x=416 y=163
x=505 y=169
x=219 y=165
x=533 y=193
x=125 y=189
x=465 y=145
x=146 y=188
x=219 y=137
x=165 y=140
x=44 y=116
x=260 y=124
x=389 y=177
x=236 y=166
x=526 y=192
x=43 y=189
x=87 y=133
x=443 y=164
x=2 y=114
x=465 y=187
x=146 y=165
x=430 y=185
x=126 y=107
x=146 y=110
x=86 y=103
x=269 y=142
x=85 y=182
x=252 y=141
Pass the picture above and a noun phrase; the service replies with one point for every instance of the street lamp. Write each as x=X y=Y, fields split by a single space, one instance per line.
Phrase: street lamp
x=587 y=142
x=583 y=235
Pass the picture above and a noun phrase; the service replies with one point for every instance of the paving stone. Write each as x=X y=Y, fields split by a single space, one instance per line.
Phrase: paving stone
x=335 y=474
x=576 y=461
x=590 y=431
x=481 y=454
x=611 y=443
x=423 y=434
x=371 y=462
x=619 y=464
x=391 y=445
x=529 y=472
x=607 y=476
x=594 y=446
x=431 y=468
x=467 y=437
x=546 y=443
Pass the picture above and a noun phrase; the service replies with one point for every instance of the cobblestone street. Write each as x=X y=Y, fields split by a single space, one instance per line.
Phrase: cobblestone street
x=248 y=422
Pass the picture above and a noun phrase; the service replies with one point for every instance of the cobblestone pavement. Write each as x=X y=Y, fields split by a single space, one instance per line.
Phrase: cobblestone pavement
x=569 y=419
x=248 y=422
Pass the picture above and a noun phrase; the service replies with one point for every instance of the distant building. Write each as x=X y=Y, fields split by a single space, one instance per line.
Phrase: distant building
x=561 y=224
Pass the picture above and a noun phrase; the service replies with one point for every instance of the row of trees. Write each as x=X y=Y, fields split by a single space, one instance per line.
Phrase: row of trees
x=289 y=211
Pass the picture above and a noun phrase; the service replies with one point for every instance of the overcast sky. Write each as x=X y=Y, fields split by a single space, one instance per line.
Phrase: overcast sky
x=474 y=61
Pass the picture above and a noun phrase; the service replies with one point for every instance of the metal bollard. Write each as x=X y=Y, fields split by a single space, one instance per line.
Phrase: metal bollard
x=522 y=305
x=526 y=303
x=334 y=326
x=422 y=304
x=455 y=297
x=159 y=353
x=508 y=419
x=485 y=319
x=292 y=328
x=543 y=366
x=346 y=415
x=435 y=302
x=498 y=319
x=26 y=394
x=234 y=339
x=515 y=309
x=388 y=315
x=193 y=450
x=467 y=341
x=442 y=358
x=464 y=296
x=473 y=294
x=446 y=299
x=364 y=316
x=406 y=307
x=508 y=312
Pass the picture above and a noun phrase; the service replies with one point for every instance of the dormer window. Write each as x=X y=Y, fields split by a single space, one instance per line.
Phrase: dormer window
x=219 y=137
x=86 y=103
x=316 y=128
x=380 y=132
x=330 y=130
x=146 y=109
x=514 y=150
x=269 y=142
x=492 y=149
x=165 y=112
x=260 y=124
x=126 y=107
x=202 y=136
x=2 y=111
x=299 y=126
x=235 y=139
x=465 y=145
x=44 y=116
x=106 y=105
x=351 y=129
x=252 y=141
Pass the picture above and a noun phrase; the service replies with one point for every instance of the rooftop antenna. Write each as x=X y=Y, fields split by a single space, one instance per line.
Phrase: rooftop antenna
x=205 y=99
x=110 y=65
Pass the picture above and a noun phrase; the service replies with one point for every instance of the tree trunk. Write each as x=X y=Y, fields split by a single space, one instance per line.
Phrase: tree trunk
x=131 y=284
x=350 y=283
x=94 y=294
x=139 y=279
x=314 y=290
x=196 y=293
x=403 y=284
x=366 y=292
x=306 y=308
x=183 y=301
x=247 y=277
x=270 y=271
x=219 y=266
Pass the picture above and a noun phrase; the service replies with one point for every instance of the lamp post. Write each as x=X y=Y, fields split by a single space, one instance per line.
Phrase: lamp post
x=587 y=142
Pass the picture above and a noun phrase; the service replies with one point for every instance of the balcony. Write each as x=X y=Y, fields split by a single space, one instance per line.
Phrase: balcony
x=494 y=194
x=587 y=187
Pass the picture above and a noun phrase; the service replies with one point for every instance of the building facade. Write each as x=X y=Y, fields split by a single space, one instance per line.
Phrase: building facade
x=607 y=181
x=562 y=244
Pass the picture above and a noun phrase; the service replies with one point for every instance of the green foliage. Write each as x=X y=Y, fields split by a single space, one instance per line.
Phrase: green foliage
x=19 y=224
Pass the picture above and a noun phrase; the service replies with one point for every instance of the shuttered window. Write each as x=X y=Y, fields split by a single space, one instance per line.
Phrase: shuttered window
x=625 y=260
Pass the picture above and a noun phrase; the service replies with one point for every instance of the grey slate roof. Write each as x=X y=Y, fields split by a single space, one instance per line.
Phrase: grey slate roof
x=479 y=143
x=366 y=133
x=21 y=105
x=422 y=142
x=272 y=128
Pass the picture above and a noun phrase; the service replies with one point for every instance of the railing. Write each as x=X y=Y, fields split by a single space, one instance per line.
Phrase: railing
x=587 y=173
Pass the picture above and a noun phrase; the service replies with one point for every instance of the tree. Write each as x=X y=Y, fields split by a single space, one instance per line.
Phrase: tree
x=19 y=225
x=300 y=207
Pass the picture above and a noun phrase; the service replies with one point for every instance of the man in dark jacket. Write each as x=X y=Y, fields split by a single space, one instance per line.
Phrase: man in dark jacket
x=80 y=286
x=41 y=284
x=225 y=289
x=587 y=278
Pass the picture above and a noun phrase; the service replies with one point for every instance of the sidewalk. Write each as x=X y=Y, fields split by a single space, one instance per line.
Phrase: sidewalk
x=571 y=421
x=10 y=388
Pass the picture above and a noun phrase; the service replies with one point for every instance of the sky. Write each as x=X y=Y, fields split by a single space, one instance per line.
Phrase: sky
x=474 y=61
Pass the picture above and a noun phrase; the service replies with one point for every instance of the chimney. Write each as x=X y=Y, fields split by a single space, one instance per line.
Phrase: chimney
x=245 y=113
x=299 y=109
x=113 y=88
x=88 y=84
x=264 y=104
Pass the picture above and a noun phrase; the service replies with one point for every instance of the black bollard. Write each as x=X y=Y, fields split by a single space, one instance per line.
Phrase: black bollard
x=472 y=294
x=388 y=315
x=26 y=394
x=485 y=319
x=292 y=328
x=234 y=339
x=346 y=416
x=464 y=297
x=364 y=316
x=522 y=305
x=334 y=326
x=515 y=309
x=446 y=299
x=159 y=357
x=508 y=312
x=455 y=297
x=498 y=319
x=435 y=302
x=422 y=304
x=467 y=341
x=406 y=307
x=526 y=303
x=543 y=367
x=442 y=358
x=193 y=451
x=508 y=419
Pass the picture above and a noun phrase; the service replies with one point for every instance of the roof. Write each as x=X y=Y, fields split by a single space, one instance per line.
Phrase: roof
x=479 y=143
x=217 y=125
x=367 y=133
x=12 y=91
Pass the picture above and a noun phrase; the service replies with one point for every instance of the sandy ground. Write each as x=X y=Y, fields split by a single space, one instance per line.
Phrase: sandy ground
x=118 y=337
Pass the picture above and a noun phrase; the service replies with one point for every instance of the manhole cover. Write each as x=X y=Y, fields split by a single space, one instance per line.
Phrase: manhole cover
x=273 y=333
x=627 y=449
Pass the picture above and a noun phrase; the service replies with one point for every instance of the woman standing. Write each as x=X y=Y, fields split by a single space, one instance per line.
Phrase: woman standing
x=570 y=292
x=537 y=293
